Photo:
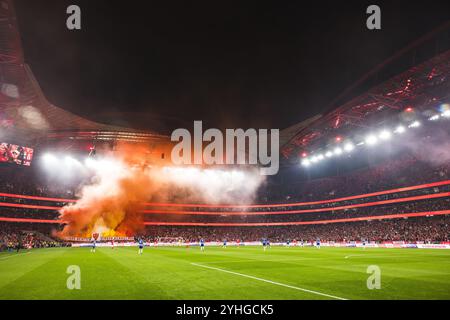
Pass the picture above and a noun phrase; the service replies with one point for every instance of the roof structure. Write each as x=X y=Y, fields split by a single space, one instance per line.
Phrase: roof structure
x=423 y=86
x=25 y=109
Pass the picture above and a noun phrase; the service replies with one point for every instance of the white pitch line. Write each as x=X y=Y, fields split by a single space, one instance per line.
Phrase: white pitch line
x=269 y=281
x=14 y=255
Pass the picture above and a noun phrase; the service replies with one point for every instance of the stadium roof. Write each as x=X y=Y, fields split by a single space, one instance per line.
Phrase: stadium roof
x=423 y=86
x=24 y=108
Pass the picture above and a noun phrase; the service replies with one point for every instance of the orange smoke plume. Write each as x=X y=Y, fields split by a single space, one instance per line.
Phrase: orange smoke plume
x=111 y=204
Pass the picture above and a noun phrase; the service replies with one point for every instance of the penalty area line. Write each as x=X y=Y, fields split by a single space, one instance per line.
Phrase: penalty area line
x=270 y=281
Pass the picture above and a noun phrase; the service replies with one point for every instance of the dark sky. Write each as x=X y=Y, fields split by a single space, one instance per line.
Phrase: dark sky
x=154 y=64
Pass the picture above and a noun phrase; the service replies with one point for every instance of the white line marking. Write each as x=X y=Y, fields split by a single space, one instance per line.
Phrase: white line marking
x=253 y=260
x=269 y=281
x=14 y=255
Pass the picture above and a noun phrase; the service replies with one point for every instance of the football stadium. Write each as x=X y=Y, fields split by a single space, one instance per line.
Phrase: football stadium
x=358 y=210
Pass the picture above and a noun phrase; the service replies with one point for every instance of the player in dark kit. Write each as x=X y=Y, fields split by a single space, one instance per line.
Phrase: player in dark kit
x=141 y=246
x=264 y=243
x=202 y=244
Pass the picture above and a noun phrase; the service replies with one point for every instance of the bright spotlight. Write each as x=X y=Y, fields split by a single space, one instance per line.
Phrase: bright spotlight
x=306 y=162
x=415 y=124
x=385 y=135
x=349 y=147
x=400 y=129
x=446 y=114
x=314 y=159
x=320 y=157
x=329 y=154
x=371 y=140
x=434 y=118
x=48 y=157
x=337 y=151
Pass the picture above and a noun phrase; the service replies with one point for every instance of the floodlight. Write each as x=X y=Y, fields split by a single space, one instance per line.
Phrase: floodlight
x=434 y=118
x=371 y=140
x=400 y=129
x=385 y=135
x=415 y=124
x=349 y=147
x=337 y=151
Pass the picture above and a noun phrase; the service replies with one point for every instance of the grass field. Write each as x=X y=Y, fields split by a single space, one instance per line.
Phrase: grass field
x=231 y=273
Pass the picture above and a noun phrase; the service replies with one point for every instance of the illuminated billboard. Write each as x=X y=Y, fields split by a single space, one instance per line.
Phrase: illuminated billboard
x=11 y=153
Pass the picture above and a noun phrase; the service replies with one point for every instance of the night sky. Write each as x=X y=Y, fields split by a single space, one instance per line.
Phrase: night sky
x=162 y=64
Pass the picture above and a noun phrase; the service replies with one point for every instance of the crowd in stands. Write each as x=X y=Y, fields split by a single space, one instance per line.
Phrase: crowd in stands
x=14 y=236
x=430 y=205
x=427 y=229
x=404 y=171
x=27 y=183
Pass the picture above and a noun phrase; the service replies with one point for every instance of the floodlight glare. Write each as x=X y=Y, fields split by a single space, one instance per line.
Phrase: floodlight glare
x=337 y=151
x=400 y=129
x=320 y=157
x=349 y=147
x=329 y=154
x=48 y=157
x=306 y=162
x=446 y=114
x=434 y=118
x=385 y=135
x=371 y=140
x=415 y=124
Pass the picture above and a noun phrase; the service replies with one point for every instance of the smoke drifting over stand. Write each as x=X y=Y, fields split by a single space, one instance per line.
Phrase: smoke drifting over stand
x=112 y=202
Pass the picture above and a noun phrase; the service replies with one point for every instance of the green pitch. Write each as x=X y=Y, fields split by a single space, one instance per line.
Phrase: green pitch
x=231 y=273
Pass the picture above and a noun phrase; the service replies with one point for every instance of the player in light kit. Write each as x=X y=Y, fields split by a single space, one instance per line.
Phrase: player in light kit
x=202 y=244
x=224 y=243
x=318 y=244
x=141 y=246
x=112 y=244
x=94 y=243
x=264 y=243
x=364 y=244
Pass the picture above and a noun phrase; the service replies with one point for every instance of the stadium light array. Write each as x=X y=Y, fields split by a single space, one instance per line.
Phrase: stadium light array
x=415 y=124
x=374 y=138
x=434 y=118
